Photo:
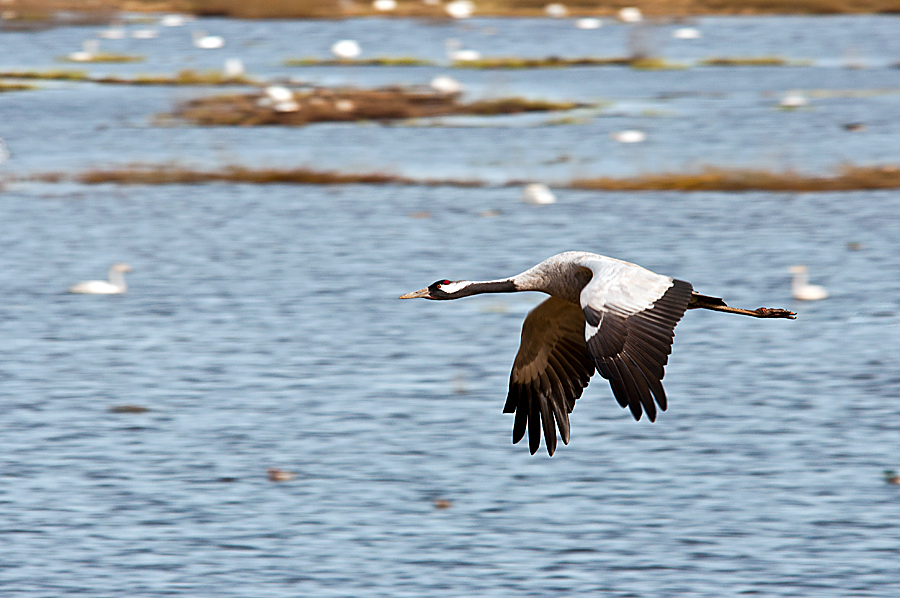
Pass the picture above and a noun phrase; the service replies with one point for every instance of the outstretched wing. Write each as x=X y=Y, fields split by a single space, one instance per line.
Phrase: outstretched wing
x=551 y=370
x=630 y=316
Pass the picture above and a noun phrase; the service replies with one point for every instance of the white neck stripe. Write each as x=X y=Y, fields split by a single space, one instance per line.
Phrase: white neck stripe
x=454 y=286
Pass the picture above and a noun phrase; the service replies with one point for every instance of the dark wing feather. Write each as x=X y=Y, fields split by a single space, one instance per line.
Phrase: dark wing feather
x=631 y=349
x=550 y=372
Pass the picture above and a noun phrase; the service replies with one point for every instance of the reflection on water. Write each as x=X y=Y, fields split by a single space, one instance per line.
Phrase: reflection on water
x=261 y=331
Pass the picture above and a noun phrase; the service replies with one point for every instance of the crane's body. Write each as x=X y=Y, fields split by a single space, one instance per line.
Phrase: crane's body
x=602 y=313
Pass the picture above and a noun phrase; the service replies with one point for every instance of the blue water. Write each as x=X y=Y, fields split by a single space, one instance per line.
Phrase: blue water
x=261 y=329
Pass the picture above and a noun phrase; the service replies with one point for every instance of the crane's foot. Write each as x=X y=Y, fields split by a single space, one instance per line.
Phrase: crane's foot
x=769 y=312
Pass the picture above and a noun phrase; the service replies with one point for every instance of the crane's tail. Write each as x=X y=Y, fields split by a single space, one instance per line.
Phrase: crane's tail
x=699 y=301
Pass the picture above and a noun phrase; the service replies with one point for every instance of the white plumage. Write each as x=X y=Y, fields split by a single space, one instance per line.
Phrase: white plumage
x=446 y=84
x=793 y=99
x=173 y=20
x=279 y=93
x=114 y=286
x=207 y=42
x=630 y=14
x=89 y=49
x=234 y=68
x=687 y=33
x=346 y=49
x=556 y=10
x=629 y=136
x=460 y=9
x=801 y=289
x=112 y=33
x=537 y=194
x=603 y=314
x=145 y=34
x=588 y=23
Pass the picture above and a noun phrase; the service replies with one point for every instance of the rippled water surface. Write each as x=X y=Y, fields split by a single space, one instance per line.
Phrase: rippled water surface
x=261 y=329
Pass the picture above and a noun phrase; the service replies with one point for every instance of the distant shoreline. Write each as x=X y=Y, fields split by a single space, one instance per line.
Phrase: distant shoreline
x=341 y=9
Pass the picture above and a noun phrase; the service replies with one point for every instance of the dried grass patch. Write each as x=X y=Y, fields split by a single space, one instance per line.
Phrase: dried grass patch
x=347 y=105
x=42 y=13
x=150 y=174
x=104 y=58
x=848 y=178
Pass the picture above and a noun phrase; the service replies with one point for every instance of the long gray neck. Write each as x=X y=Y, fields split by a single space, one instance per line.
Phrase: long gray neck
x=117 y=278
x=556 y=277
x=490 y=286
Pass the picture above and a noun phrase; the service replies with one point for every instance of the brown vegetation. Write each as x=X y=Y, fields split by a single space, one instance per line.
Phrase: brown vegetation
x=507 y=62
x=336 y=8
x=748 y=61
x=183 y=77
x=4 y=86
x=849 y=178
x=497 y=63
x=148 y=174
x=29 y=12
x=56 y=75
x=166 y=175
x=345 y=105
x=377 y=61
x=103 y=57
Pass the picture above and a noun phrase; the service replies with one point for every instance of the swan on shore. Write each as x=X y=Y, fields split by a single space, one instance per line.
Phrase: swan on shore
x=445 y=84
x=630 y=14
x=588 y=23
x=113 y=286
x=460 y=9
x=556 y=10
x=173 y=20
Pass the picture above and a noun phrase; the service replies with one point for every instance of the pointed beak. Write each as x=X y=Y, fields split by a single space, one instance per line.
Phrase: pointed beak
x=415 y=294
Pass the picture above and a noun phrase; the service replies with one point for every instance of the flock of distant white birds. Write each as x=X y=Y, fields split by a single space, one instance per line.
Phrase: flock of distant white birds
x=200 y=39
x=282 y=99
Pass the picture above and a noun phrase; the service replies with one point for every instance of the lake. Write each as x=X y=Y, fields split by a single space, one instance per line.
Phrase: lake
x=261 y=329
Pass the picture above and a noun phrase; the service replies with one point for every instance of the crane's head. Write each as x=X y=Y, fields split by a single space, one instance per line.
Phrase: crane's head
x=441 y=290
x=120 y=267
